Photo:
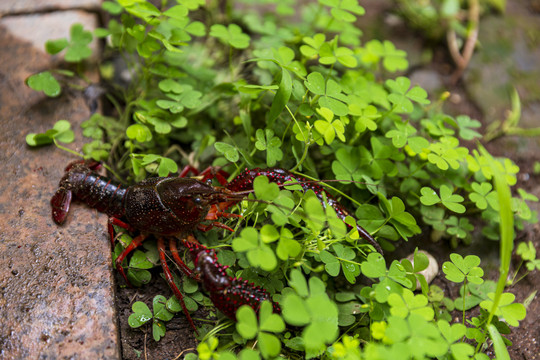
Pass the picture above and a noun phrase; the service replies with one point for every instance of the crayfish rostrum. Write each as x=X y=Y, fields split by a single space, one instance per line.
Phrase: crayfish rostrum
x=172 y=208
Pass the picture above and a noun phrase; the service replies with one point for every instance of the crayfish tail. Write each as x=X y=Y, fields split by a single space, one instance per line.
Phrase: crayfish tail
x=60 y=203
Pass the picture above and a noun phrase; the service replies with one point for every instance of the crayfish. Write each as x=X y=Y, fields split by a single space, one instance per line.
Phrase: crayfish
x=173 y=208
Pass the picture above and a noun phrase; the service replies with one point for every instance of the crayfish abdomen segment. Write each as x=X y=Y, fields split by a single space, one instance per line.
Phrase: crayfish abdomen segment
x=81 y=182
x=240 y=292
x=228 y=294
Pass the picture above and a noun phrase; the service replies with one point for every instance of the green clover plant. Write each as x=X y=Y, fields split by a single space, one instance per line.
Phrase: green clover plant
x=298 y=87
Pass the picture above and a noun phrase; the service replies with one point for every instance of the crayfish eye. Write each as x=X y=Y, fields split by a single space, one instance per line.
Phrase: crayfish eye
x=197 y=200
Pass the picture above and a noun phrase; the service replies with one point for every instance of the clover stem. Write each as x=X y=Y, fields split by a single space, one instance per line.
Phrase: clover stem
x=306 y=141
x=66 y=149
x=464 y=294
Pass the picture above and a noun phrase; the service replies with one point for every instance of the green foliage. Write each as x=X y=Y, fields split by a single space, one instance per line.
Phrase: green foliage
x=310 y=307
x=528 y=255
x=44 y=81
x=461 y=269
x=507 y=309
x=142 y=315
x=61 y=131
x=231 y=35
x=257 y=89
x=76 y=47
x=269 y=323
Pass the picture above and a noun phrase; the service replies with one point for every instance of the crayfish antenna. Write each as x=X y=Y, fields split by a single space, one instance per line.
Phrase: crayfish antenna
x=60 y=203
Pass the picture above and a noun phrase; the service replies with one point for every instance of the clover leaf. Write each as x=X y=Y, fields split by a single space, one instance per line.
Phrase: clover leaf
x=174 y=306
x=141 y=314
x=283 y=57
x=472 y=294
x=479 y=194
x=392 y=58
x=329 y=128
x=330 y=53
x=313 y=46
x=330 y=93
x=160 y=310
x=231 y=35
x=390 y=281
x=264 y=189
x=461 y=268
x=466 y=124
x=230 y=152
x=407 y=302
x=111 y=7
x=77 y=48
x=346 y=165
x=331 y=263
x=414 y=335
x=511 y=312
x=401 y=96
x=403 y=222
x=446 y=153
x=343 y=261
x=267 y=141
x=453 y=334
x=258 y=253
x=287 y=245
x=313 y=309
x=160 y=164
x=374 y=266
x=365 y=117
x=44 y=81
x=451 y=201
x=183 y=96
x=137 y=273
x=477 y=162
x=460 y=228
x=139 y=132
x=344 y=10
x=61 y=131
x=248 y=328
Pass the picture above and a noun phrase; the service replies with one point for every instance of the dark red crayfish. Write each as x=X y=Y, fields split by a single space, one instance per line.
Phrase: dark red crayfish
x=172 y=208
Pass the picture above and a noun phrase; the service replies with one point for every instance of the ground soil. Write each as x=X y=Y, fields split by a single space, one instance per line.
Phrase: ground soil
x=138 y=343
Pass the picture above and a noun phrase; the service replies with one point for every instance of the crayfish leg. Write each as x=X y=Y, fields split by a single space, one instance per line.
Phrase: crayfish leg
x=213 y=214
x=185 y=269
x=135 y=243
x=188 y=169
x=60 y=203
x=115 y=221
x=212 y=172
x=170 y=281
x=205 y=228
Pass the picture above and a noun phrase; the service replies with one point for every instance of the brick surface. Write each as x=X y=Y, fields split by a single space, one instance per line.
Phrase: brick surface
x=31 y=6
x=56 y=287
x=38 y=28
